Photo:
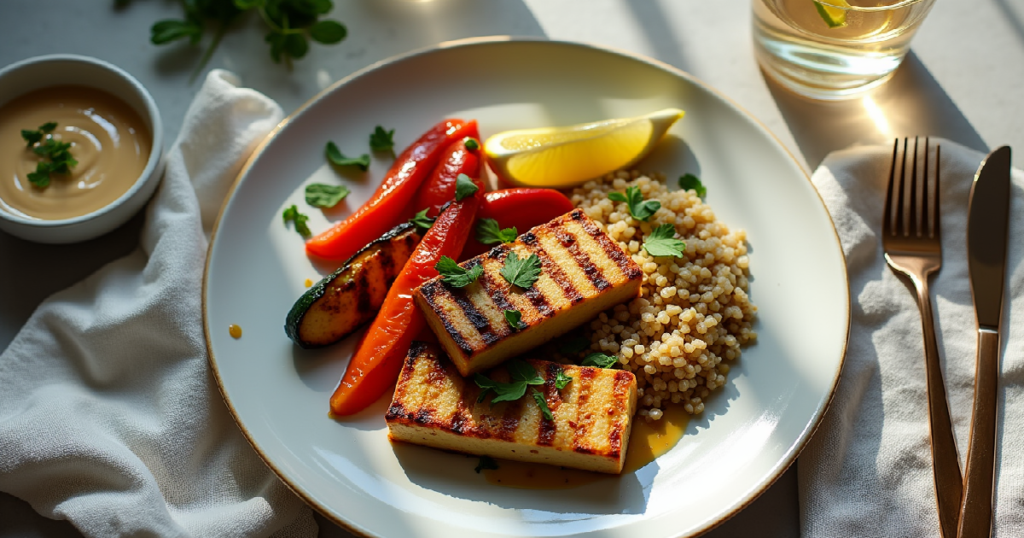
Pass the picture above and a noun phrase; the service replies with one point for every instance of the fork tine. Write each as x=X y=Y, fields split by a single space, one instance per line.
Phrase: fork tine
x=927 y=211
x=887 y=216
x=914 y=222
x=936 y=207
x=901 y=225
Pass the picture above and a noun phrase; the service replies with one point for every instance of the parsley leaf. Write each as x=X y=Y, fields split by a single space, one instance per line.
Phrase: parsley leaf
x=488 y=232
x=335 y=156
x=471 y=143
x=691 y=182
x=662 y=242
x=562 y=379
x=383 y=140
x=422 y=221
x=514 y=318
x=48 y=127
x=599 y=360
x=31 y=136
x=521 y=374
x=486 y=462
x=464 y=186
x=573 y=345
x=522 y=273
x=57 y=154
x=320 y=195
x=292 y=214
x=455 y=275
x=638 y=208
x=543 y=405
x=41 y=177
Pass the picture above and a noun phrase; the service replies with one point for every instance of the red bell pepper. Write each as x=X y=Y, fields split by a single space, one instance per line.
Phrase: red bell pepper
x=386 y=208
x=378 y=359
x=440 y=188
x=523 y=208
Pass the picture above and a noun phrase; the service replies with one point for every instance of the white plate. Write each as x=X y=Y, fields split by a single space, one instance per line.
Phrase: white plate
x=750 y=431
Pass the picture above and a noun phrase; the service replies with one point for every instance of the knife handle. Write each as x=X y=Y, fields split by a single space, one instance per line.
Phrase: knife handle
x=979 y=481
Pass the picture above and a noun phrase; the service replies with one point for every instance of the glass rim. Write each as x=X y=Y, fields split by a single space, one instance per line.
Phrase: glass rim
x=897 y=5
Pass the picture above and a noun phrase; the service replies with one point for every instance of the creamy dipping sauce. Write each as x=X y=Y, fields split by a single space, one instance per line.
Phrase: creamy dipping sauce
x=108 y=139
x=647 y=441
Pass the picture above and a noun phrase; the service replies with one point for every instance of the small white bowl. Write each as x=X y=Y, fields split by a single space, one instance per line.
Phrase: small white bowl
x=67 y=69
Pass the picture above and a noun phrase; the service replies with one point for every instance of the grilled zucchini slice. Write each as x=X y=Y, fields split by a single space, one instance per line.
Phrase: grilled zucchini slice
x=332 y=308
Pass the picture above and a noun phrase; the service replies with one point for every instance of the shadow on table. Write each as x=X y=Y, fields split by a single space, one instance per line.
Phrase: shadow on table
x=910 y=104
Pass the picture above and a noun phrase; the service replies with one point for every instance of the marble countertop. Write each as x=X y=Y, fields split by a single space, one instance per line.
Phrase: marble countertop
x=961 y=81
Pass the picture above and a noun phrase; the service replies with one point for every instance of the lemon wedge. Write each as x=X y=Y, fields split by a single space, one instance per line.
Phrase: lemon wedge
x=834 y=17
x=562 y=157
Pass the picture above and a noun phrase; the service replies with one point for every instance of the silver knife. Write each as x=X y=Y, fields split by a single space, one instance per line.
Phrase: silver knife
x=988 y=221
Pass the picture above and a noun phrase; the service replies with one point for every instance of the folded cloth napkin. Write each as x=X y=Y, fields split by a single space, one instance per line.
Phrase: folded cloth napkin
x=867 y=470
x=109 y=416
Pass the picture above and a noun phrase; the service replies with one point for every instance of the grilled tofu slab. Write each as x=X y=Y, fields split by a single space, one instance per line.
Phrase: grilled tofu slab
x=583 y=271
x=592 y=416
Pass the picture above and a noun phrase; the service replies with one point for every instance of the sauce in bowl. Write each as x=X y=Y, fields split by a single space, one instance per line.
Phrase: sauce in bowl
x=108 y=139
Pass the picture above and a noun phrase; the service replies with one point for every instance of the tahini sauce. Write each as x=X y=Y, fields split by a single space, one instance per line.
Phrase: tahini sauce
x=108 y=139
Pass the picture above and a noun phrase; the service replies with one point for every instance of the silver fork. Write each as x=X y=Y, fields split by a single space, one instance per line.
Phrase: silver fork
x=911 y=237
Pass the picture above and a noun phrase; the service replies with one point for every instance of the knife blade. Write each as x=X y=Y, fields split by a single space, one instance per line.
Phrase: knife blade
x=988 y=218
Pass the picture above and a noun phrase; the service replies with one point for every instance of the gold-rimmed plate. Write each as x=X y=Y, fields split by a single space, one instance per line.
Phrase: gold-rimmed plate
x=750 y=431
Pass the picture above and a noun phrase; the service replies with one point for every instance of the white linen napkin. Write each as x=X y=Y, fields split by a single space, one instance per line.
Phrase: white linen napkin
x=867 y=470
x=109 y=416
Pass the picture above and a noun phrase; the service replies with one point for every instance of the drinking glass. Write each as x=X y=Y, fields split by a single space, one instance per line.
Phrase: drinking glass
x=834 y=49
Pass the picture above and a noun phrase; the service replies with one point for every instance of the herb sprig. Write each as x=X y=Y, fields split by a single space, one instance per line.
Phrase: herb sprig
x=337 y=158
x=325 y=196
x=662 y=242
x=292 y=24
x=488 y=232
x=422 y=221
x=521 y=272
x=382 y=139
x=464 y=187
x=692 y=182
x=522 y=375
x=292 y=214
x=514 y=319
x=56 y=155
x=599 y=360
x=455 y=275
x=638 y=208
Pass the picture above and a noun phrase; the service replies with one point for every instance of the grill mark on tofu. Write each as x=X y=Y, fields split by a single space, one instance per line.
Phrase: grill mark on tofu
x=622 y=382
x=593 y=272
x=461 y=416
x=547 y=428
x=504 y=297
x=584 y=418
x=510 y=420
x=363 y=299
x=436 y=294
x=614 y=261
x=479 y=321
x=492 y=302
x=549 y=267
x=575 y=272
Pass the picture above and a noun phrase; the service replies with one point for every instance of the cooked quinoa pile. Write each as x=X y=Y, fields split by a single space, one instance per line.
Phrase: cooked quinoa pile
x=693 y=311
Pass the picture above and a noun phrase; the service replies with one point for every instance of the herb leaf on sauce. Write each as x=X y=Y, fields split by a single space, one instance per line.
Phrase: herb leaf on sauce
x=455 y=275
x=638 y=208
x=292 y=214
x=337 y=158
x=662 y=242
x=521 y=272
x=326 y=196
x=489 y=233
x=56 y=155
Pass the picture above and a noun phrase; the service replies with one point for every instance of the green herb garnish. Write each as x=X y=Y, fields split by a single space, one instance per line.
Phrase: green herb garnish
x=514 y=318
x=638 y=208
x=522 y=273
x=422 y=221
x=57 y=155
x=572 y=346
x=562 y=379
x=455 y=275
x=692 y=182
x=320 y=195
x=662 y=242
x=335 y=156
x=292 y=214
x=489 y=233
x=383 y=140
x=521 y=374
x=486 y=462
x=471 y=143
x=600 y=360
x=542 y=403
x=464 y=186
x=292 y=23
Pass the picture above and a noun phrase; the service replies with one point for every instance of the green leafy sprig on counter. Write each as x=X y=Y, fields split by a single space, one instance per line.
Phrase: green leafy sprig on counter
x=292 y=24
x=455 y=275
x=662 y=242
x=521 y=272
x=292 y=214
x=56 y=155
x=337 y=158
x=691 y=182
x=489 y=233
x=325 y=196
x=383 y=140
x=638 y=208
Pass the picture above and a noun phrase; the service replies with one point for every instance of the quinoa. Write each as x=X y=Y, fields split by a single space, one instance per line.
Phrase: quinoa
x=692 y=311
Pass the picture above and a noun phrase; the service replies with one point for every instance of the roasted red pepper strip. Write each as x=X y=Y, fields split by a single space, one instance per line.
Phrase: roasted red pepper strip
x=387 y=207
x=440 y=188
x=378 y=358
x=523 y=208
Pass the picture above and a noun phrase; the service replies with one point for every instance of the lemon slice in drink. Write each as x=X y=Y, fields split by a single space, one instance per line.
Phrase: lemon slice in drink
x=833 y=16
x=562 y=157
